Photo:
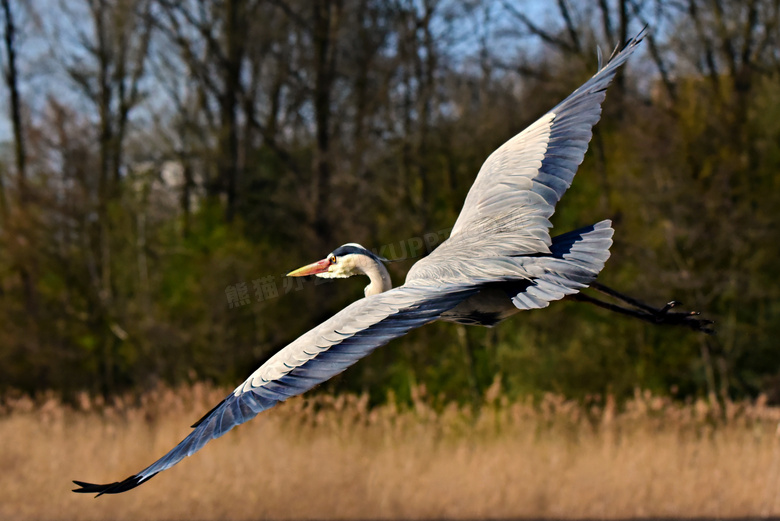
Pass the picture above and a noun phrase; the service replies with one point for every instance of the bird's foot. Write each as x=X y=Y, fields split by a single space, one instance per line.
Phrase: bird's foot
x=641 y=310
x=690 y=319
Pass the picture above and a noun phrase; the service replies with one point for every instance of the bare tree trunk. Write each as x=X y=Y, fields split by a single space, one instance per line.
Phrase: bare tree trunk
x=404 y=54
x=12 y=82
x=326 y=14
x=711 y=71
x=105 y=189
x=186 y=194
x=3 y=197
x=366 y=53
x=425 y=73
x=20 y=154
x=235 y=35
x=571 y=29
x=655 y=54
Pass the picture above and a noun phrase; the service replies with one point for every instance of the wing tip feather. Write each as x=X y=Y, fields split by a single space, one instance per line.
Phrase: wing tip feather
x=116 y=487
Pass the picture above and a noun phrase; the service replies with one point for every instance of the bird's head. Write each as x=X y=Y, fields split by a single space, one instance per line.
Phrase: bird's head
x=345 y=261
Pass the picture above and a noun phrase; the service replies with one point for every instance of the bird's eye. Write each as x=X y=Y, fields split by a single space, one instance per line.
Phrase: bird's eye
x=332 y=259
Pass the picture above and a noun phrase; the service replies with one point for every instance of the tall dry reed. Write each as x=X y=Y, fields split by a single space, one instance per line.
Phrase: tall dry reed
x=336 y=458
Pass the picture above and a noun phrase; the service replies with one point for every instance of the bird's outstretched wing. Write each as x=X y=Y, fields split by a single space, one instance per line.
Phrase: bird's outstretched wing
x=313 y=358
x=504 y=221
x=505 y=215
x=530 y=172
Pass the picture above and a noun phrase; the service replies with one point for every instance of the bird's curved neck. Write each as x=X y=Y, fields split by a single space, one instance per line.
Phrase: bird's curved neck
x=378 y=275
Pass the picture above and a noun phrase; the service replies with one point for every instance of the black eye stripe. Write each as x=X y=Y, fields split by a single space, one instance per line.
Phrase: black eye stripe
x=353 y=250
x=346 y=250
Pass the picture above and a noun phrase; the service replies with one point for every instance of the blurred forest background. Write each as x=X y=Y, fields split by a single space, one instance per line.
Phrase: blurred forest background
x=163 y=163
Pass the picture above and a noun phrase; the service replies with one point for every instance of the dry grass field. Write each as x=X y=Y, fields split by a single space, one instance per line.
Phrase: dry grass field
x=333 y=458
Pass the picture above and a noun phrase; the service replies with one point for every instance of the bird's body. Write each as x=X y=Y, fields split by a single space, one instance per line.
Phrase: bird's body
x=499 y=259
x=574 y=261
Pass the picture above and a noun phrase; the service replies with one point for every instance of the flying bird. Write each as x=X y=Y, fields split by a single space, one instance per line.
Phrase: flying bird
x=498 y=260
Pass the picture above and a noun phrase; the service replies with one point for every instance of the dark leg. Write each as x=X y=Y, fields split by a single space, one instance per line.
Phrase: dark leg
x=642 y=311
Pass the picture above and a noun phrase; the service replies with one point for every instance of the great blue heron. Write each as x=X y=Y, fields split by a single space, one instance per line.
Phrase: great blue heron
x=498 y=260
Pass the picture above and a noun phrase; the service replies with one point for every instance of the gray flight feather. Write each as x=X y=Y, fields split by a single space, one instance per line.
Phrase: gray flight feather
x=575 y=260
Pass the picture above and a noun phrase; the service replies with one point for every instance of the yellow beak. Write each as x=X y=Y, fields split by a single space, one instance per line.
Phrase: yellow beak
x=311 y=269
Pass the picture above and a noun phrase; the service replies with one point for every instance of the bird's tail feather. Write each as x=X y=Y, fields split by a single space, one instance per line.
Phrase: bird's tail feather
x=577 y=258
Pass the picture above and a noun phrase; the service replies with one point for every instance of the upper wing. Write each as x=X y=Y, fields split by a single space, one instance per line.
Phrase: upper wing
x=533 y=169
x=506 y=212
x=313 y=358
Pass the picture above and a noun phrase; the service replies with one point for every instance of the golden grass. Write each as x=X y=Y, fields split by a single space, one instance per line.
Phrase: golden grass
x=333 y=458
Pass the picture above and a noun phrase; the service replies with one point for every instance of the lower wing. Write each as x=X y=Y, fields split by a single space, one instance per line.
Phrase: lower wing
x=318 y=355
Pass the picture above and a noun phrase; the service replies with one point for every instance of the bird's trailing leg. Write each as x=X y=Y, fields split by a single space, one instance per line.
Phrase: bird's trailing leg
x=642 y=311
